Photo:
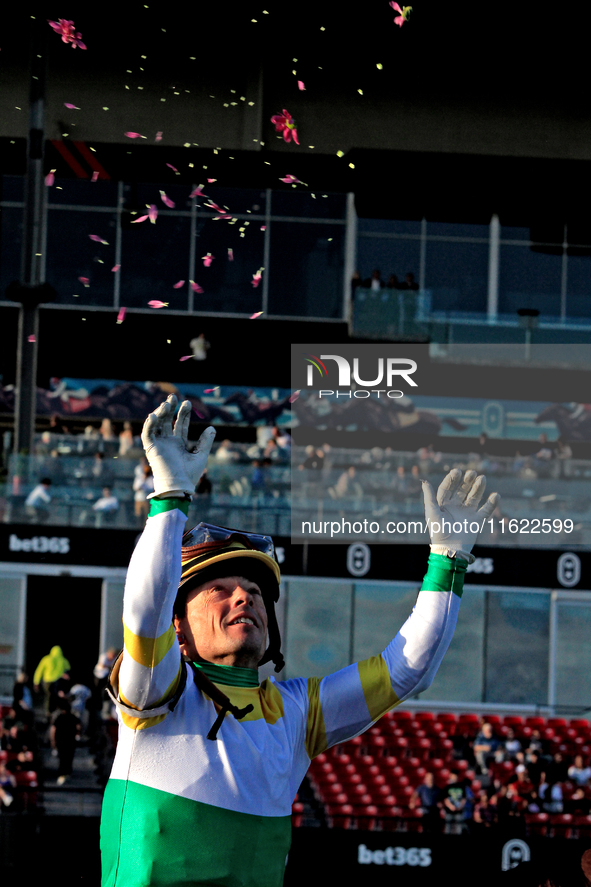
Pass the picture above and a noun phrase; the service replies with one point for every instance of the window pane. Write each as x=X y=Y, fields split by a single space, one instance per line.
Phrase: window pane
x=11 y=232
x=387 y=226
x=460 y=675
x=318 y=627
x=514 y=233
x=302 y=204
x=72 y=254
x=457 y=275
x=228 y=284
x=447 y=229
x=153 y=259
x=82 y=192
x=529 y=280
x=573 y=654
x=13 y=187
x=397 y=257
x=578 y=301
x=380 y=612
x=306 y=273
x=517 y=647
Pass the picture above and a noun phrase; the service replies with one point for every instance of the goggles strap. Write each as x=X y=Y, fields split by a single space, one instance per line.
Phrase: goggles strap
x=216 y=695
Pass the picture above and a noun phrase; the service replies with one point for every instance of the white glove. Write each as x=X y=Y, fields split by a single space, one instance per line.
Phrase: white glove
x=453 y=517
x=176 y=465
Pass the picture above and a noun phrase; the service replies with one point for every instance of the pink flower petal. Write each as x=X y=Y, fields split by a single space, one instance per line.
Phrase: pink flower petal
x=197 y=192
x=291 y=180
x=121 y=315
x=84 y=280
x=115 y=267
x=212 y=180
x=31 y=339
x=158 y=137
x=395 y=6
x=256 y=314
x=134 y=135
x=95 y=176
x=156 y=303
x=211 y=390
x=50 y=178
x=98 y=239
x=174 y=169
x=195 y=287
x=207 y=260
x=141 y=219
x=230 y=254
x=178 y=285
x=166 y=200
x=199 y=415
x=301 y=84
x=71 y=106
x=293 y=397
x=153 y=213
x=186 y=357
x=263 y=227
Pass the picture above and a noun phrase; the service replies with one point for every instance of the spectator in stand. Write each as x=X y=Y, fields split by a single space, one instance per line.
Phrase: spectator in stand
x=550 y=795
x=106 y=507
x=485 y=813
x=521 y=782
x=510 y=748
x=485 y=746
x=457 y=797
x=22 y=698
x=126 y=440
x=79 y=697
x=578 y=772
x=271 y=451
x=557 y=769
x=409 y=282
x=578 y=804
x=50 y=669
x=427 y=799
x=7 y=786
x=143 y=485
x=346 y=486
x=224 y=454
x=101 y=470
x=63 y=734
x=393 y=283
x=375 y=282
x=106 y=431
x=282 y=438
x=37 y=501
x=314 y=458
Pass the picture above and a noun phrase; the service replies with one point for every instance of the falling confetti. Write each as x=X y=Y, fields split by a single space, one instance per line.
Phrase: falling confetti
x=178 y=285
x=211 y=390
x=158 y=137
x=186 y=357
x=301 y=85
x=293 y=397
x=95 y=176
x=166 y=200
x=98 y=239
x=153 y=213
x=197 y=192
x=68 y=33
x=256 y=314
x=230 y=254
x=50 y=178
x=291 y=180
x=199 y=415
x=256 y=277
x=156 y=303
x=134 y=135
x=207 y=259
x=84 y=280
x=404 y=13
x=71 y=106
x=121 y=315
x=195 y=287
x=211 y=180
x=115 y=267
x=31 y=339
x=140 y=219
x=285 y=124
x=173 y=168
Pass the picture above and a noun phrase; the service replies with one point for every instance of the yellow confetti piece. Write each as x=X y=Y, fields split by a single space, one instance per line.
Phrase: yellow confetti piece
x=187 y=145
x=253 y=20
x=162 y=100
x=352 y=165
x=340 y=153
x=251 y=104
x=360 y=91
x=105 y=108
x=294 y=71
x=379 y=67
x=323 y=29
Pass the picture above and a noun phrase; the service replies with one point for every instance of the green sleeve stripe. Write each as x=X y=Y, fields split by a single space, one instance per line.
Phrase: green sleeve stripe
x=445 y=574
x=157 y=506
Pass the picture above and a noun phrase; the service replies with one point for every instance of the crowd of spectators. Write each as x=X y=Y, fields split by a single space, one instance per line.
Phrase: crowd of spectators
x=60 y=713
x=376 y=283
x=506 y=777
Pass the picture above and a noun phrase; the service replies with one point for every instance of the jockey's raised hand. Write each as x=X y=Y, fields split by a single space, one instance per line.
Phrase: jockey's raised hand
x=176 y=464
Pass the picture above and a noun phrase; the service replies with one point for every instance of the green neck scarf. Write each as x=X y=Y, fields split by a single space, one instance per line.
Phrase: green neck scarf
x=231 y=675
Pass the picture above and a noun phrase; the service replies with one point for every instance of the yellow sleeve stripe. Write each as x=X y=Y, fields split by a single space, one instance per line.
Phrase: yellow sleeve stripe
x=148 y=651
x=143 y=723
x=315 y=727
x=377 y=687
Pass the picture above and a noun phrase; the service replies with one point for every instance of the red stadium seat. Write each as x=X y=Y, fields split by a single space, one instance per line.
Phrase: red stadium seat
x=557 y=723
x=580 y=724
x=513 y=721
x=401 y=715
x=340 y=815
x=536 y=823
x=535 y=722
x=297 y=810
x=424 y=716
x=561 y=824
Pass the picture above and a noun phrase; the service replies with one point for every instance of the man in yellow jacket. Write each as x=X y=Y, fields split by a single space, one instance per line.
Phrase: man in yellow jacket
x=50 y=669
